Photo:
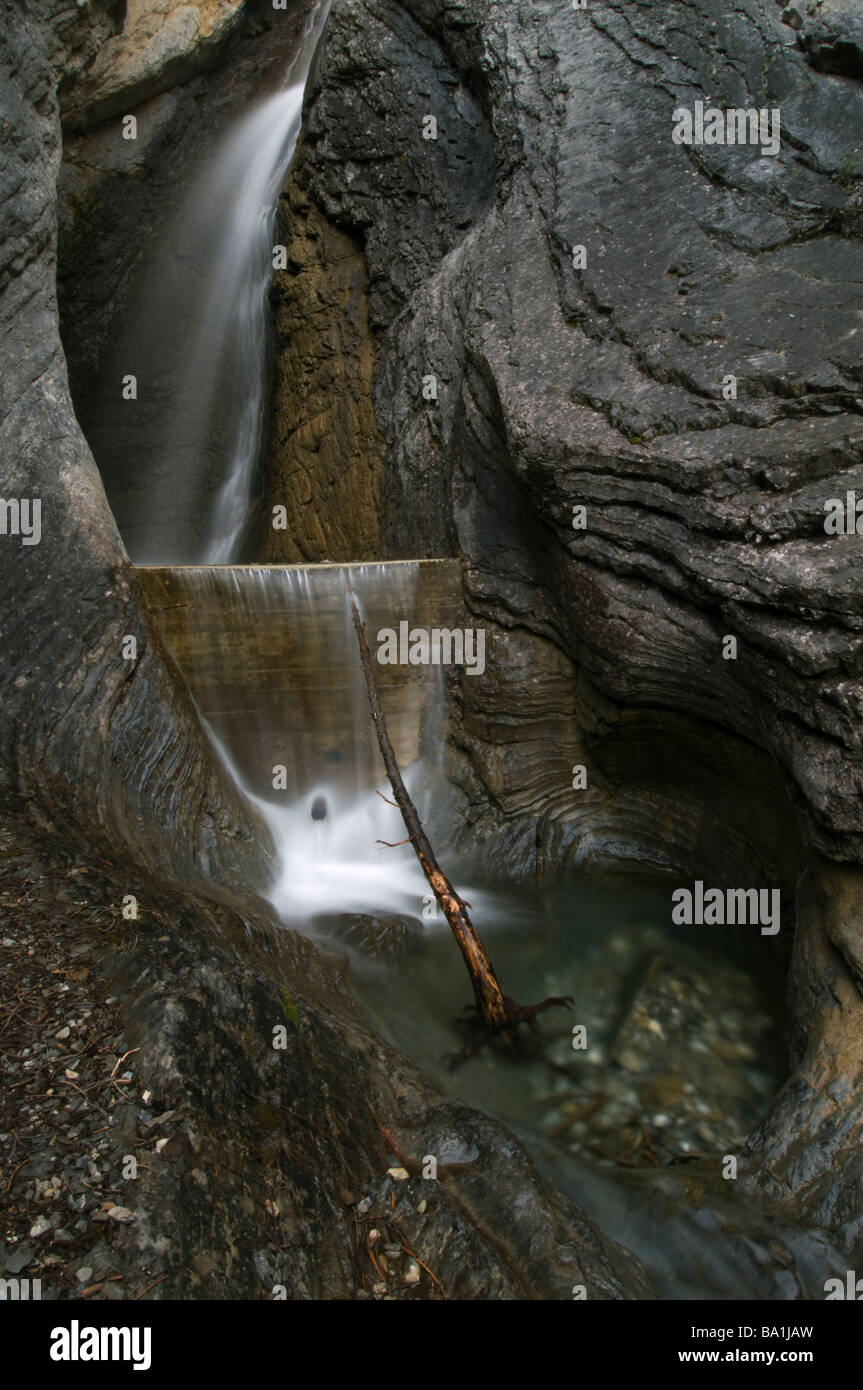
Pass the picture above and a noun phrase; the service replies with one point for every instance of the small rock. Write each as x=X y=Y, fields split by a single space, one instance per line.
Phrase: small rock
x=398 y=1174
x=412 y=1273
x=364 y=1206
x=40 y=1227
x=84 y=1274
x=159 y=1119
x=124 y=1214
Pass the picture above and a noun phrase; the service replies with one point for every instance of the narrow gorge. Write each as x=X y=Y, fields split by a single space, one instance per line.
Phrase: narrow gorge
x=423 y=302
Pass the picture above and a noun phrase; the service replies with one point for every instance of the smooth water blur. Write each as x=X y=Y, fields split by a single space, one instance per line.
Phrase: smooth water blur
x=337 y=865
x=225 y=369
x=180 y=461
x=271 y=658
x=237 y=194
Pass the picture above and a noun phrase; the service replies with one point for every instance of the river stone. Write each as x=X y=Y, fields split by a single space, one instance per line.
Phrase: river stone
x=19 y=1259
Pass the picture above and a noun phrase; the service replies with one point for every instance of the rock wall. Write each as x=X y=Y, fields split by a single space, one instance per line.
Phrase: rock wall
x=602 y=386
x=557 y=385
x=159 y=45
x=324 y=464
x=104 y=756
x=662 y=335
x=142 y=783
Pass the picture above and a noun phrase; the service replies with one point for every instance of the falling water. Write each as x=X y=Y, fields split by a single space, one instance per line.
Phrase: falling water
x=238 y=194
x=180 y=462
x=271 y=659
x=269 y=653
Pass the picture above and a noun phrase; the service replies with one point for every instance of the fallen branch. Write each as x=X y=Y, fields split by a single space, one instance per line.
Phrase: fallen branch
x=497 y=1011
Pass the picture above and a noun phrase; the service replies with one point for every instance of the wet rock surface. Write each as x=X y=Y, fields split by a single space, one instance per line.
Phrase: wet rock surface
x=263 y=1169
x=93 y=745
x=602 y=387
x=372 y=938
x=595 y=381
x=324 y=462
x=159 y=45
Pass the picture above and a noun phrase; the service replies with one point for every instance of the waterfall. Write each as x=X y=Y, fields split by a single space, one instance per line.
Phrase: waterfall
x=226 y=368
x=269 y=653
x=271 y=659
x=180 y=463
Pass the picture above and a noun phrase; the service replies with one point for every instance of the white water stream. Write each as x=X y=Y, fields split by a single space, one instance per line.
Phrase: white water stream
x=278 y=682
x=183 y=461
x=272 y=661
x=238 y=194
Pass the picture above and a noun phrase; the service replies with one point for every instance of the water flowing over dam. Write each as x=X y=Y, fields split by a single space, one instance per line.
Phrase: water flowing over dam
x=268 y=652
x=271 y=660
x=270 y=657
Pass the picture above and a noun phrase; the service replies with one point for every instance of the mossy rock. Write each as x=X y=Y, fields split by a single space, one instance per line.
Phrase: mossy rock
x=289 y=1008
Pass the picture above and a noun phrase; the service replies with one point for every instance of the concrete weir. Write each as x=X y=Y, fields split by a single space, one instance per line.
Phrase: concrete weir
x=270 y=657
